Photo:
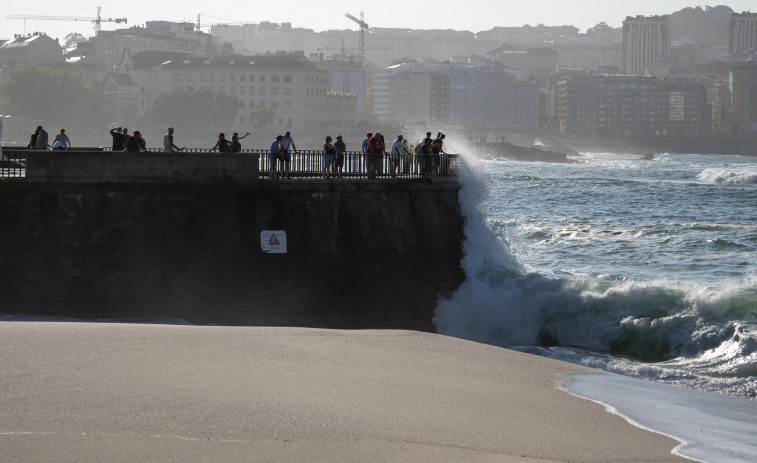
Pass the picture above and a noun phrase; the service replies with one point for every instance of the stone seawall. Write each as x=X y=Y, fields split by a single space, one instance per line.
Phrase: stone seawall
x=360 y=254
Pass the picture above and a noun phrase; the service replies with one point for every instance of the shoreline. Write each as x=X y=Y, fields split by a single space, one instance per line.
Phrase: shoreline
x=89 y=391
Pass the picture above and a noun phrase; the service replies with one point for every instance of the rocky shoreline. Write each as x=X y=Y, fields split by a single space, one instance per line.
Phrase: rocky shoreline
x=505 y=150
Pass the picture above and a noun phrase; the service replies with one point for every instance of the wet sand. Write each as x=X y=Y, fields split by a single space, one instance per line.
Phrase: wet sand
x=73 y=392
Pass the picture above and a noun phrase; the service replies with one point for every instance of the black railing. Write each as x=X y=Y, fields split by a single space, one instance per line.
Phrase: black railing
x=13 y=163
x=303 y=164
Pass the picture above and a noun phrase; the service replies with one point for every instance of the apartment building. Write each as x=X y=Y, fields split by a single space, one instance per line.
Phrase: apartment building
x=744 y=99
x=37 y=48
x=742 y=33
x=646 y=39
x=598 y=106
x=476 y=94
x=107 y=48
x=299 y=93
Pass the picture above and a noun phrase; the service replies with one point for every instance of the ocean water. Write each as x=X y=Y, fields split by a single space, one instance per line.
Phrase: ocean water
x=646 y=268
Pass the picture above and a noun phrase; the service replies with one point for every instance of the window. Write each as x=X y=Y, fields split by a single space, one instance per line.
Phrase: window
x=274 y=90
x=177 y=77
x=275 y=78
x=262 y=78
x=287 y=78
x=241 y=90
x=287 y=90
x=252 y=90
x=222 y=77
x=287 y=105
x=261 y=90
x=252 y=78
x=190 y=77
x=274 y=105
x=677 y=107
x=203 y=78
x=212 y=77
x=232 y=90
x=241 y=78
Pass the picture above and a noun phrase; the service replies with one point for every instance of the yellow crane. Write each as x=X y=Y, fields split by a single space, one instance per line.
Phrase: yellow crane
x=97 y=20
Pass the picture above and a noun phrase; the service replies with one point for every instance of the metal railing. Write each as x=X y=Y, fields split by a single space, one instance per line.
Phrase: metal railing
x=307 y=164
x=13 y=163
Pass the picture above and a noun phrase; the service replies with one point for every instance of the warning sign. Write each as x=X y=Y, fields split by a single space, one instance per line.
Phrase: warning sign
x=273 y=241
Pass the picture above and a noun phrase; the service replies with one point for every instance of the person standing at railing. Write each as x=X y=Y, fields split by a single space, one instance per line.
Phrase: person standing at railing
x=222 y=144
x=42 y=140
x=436 y=150
x=341 y=148
x=368 y=137
x=274 y=155
x=406 y=156
x=136 y=143
x=168 y=144
x=394 y=155
x=365 y=142
x=287 y=148
x=423 y=152
x=33 y=140
x=127 y=137
x=372 y=154
x=329 y=153
x=118 y=138
x=236 y=146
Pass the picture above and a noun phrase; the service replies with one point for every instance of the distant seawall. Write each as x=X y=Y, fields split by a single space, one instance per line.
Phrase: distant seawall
x=359 y=254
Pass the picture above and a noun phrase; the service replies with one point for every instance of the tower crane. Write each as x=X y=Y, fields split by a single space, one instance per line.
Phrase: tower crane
x=97 y=20
x=363 y=26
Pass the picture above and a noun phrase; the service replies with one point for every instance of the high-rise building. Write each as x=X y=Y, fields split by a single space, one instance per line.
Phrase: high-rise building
x=742 y=32
x=645 y=40
x=477 y=94
x=744 y=98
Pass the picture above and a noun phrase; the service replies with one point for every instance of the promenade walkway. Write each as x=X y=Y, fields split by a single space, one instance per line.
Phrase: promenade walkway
x=305 y=164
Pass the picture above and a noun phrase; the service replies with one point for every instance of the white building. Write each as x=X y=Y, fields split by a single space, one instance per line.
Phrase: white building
x=646 y=40
x=37 y=48
x=298 y=92
x=476 y=94
x=107 y=49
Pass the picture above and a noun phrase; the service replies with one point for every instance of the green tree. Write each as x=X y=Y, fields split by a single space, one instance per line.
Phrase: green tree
x=195 y=114
x=56 y=97
x=262 y=116
x=73 y=38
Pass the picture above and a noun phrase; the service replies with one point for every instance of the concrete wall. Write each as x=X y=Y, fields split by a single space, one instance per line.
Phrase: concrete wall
x=146 y=167
x=360 y=254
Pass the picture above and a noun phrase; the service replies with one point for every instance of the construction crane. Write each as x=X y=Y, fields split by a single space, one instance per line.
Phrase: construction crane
x=225 y=23
x=363 y=26
x=97 y=20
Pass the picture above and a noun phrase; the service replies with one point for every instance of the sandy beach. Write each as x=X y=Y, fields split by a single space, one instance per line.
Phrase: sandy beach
x=73 y=392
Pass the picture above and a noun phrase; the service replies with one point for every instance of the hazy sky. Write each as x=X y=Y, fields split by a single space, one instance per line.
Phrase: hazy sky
x=472 y=15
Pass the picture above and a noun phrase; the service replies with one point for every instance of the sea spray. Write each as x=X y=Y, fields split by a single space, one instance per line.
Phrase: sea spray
x=666 y=328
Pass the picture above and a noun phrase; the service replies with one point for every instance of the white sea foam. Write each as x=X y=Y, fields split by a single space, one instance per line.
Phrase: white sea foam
x=731 y=175
x=710 y=427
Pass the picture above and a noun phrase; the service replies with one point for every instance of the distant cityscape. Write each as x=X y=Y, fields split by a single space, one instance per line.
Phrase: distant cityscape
x=692 y=73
